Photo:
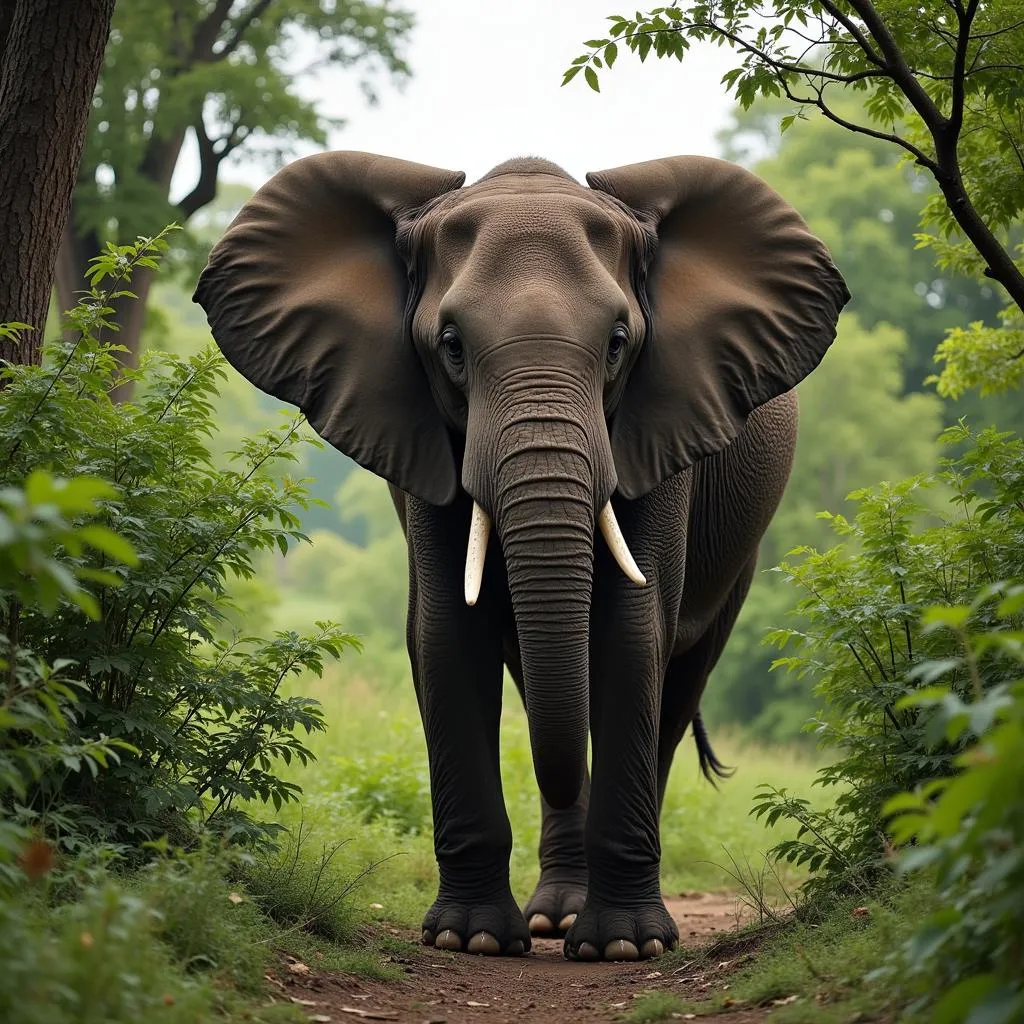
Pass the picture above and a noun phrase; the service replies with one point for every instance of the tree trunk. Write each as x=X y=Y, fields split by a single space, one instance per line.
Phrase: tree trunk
x=49 y=65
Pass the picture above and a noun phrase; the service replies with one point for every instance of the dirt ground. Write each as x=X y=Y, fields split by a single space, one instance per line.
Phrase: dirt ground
x=446 y=988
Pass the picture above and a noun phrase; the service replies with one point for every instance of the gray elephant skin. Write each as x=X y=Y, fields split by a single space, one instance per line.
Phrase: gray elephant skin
x=582 y=399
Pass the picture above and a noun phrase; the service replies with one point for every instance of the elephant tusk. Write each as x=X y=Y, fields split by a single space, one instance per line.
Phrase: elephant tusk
x=479 y=530
x=617 y=545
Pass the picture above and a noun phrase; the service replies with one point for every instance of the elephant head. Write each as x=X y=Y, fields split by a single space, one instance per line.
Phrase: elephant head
x=541 y=343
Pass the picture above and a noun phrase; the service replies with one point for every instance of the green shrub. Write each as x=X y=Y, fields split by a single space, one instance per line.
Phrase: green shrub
x=301 y=890
x=45 y=529
x=968 y=830
x=204 y=714
x=865 y=643
x=206 y=923
x=92 y=962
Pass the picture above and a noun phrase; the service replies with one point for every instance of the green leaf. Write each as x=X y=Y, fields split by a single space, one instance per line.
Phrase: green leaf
x=105 y=540
x=591 y=76
x=611 y=51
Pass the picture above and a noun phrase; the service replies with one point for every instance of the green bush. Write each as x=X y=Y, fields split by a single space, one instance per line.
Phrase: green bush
x=865 y=643
x=45 y=529
x=205 y=715
x=92 y=962
x=968 y=830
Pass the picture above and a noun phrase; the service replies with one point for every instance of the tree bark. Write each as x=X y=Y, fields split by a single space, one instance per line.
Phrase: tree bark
x=49 y=65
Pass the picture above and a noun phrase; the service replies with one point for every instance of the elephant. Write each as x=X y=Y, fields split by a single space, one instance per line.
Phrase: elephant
x=582 y=398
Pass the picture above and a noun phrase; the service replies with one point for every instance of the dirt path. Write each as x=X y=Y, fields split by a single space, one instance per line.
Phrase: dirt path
x=445 y=988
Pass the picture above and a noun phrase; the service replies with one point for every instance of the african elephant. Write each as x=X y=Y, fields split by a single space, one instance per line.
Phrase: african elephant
x=515 y=356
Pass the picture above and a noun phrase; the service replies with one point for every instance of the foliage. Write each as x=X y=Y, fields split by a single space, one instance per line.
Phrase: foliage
x=820 y=971
x=863 y=641
x=94 y=963
x=205 y=923
x=361 y=576
x=988 y=359
x=228 y=73
x=45 y=529
x=387 y=787
x=969 y=829
x=205 y=715
x=302 y=890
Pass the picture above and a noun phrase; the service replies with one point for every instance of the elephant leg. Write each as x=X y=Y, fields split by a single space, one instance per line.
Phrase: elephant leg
x=562 y=887
x=688 y=673
x=457 y=668
x=632 y=632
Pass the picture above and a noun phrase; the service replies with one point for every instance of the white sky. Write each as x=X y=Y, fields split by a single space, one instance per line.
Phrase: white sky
x=486 y=86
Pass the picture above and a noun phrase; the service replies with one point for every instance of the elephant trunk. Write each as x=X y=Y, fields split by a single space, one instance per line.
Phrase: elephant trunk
x=544 y=505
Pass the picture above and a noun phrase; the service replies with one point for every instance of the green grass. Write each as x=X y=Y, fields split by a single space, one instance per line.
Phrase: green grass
x=815 y=971
x=172 y=945
x=370 y=790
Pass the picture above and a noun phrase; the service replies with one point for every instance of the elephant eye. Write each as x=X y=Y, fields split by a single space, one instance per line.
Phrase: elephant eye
x=451 y=346
x=617 y=343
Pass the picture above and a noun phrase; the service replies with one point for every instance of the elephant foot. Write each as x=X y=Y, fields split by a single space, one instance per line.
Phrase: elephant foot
x=495 y=928
x=604 y=932
x=556 y=903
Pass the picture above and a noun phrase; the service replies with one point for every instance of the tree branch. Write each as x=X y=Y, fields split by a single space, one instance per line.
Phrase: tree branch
x=851 y=26
x=897 y=65
x=778 y=65
x=240 y=26
x=205 y=189
x=963 y=41
x=818 y=101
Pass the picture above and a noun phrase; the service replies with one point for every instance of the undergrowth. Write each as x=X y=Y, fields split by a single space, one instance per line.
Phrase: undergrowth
x=138 y=732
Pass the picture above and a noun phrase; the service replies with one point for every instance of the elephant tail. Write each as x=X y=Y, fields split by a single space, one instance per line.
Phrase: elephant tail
x=709 y=763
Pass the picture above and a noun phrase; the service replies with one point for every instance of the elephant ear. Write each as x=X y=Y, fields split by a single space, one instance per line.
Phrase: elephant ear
x=305 y=295
x=744 y=302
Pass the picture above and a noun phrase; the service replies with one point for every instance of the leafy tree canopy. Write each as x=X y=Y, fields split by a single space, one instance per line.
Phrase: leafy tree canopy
x=230 y=72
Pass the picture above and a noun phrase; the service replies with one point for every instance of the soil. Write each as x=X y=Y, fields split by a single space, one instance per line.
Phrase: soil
x=447 y=988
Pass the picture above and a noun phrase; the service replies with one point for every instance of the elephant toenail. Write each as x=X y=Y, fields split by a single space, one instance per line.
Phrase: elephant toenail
x=540 y=924
x=566 y=923
x=516 y=948
x=427 y=938
x=483 y=944
x=620 y=949
x=448 y=940
x=652 y=947
x=588 y=952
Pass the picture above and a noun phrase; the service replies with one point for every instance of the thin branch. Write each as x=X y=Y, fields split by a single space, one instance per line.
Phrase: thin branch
x=851 y=26
x=919 y=155
x=897 y=66
x=241 y=26
x=998 y=31
x=205 y=189
x=956 y=110
x=775 y=63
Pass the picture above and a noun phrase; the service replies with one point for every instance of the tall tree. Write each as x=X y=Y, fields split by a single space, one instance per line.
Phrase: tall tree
x=228 y=73
x=50 y=56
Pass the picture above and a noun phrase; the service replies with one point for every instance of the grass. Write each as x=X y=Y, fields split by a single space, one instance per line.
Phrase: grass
x=813 y=971
x=173 y=945
x=370 y=789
